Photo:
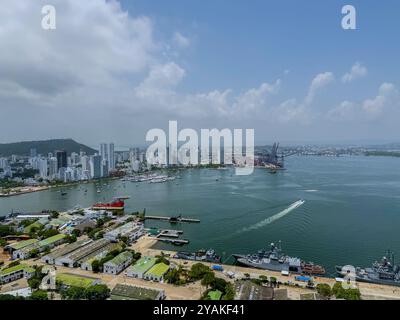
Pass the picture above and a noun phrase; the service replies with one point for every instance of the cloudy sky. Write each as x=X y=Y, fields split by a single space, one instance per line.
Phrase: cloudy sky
x=112 y=70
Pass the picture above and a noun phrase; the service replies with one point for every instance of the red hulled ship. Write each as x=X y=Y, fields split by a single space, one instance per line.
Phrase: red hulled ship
x=117 y=204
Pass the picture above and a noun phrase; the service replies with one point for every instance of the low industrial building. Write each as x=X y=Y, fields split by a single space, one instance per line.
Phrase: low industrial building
x=247 y=290
x=131 y=230
x=119 y=263
x=41 y=246
x=51 y=257
x=157 y=272
x=86 y=263
x=128 y=292
x=11 y=248
x=16 y=272
x=141 y=267
x=71 y=259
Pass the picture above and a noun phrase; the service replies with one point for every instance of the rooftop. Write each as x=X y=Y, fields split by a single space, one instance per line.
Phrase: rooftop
x=87 y=249
x=121 y=258
x=143 y=264
x=247 y=290
x=122 y=291
x=158 y=270
x=51 y=240
x=15 y=269
x=72 y=280
x=67 y=249
x=21 y=244
x=124 y=229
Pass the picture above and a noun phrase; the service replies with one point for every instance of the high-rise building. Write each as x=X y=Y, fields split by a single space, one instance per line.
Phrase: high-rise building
x=111 y=157
x=107 y=154
x=61 y=156
x=3 y=163
x=103 y=151
x=104 y=168
x=52 y=166
x=95 y=166
x=43 y=168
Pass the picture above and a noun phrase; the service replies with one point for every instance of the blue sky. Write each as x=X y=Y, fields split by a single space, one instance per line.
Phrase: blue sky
x=238 y=44
x=284 y=68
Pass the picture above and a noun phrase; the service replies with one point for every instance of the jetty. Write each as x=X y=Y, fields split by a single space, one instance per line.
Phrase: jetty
x=172 y=219
x=179 y=242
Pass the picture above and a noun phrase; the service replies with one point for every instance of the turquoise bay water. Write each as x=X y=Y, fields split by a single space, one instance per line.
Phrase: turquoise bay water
x=351 y=213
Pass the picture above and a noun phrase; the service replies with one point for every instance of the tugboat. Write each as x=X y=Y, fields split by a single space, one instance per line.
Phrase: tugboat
x=381 y=272
x=274 y=260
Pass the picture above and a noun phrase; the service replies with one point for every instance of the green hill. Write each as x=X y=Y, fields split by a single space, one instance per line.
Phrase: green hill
x=43 y=147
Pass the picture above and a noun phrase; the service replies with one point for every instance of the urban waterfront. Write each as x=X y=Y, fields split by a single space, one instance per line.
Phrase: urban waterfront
x=350 y=215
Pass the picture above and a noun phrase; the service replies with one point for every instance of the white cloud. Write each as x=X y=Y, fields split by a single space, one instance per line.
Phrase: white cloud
x=161 y=77
x=357 y=71
x=180 y=40
x=387 y=97
x=345 y=111
x=320 y=81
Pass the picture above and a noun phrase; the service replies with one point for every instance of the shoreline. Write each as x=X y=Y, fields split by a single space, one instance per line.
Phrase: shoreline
x=44 y=188
x=145 y=245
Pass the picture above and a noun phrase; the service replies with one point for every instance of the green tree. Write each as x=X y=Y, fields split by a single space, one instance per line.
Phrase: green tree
x=34 y=283
x=3 y=243
x=347 y=294
x=97 y=292
x=72 y=293
x=172 y=276
x=96 y=267
x=208 y=279
x=198 y=270
x=76 y=232
x=39 y=295
x=54 y=214
x=162 y=259
x=324 y=290
x=229 y=292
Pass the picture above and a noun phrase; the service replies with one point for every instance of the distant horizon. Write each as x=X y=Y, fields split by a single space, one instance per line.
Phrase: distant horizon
x=283 y=143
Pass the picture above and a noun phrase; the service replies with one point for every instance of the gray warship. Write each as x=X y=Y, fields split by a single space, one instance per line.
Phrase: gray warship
x=381 y=272
x=275 y=260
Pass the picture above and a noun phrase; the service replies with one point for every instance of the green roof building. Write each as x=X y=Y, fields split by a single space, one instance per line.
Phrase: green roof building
x=128 y=292
x=141 y=267
x=157 y=272
x=51 y=242
x=119 y=263
x=19 y=245
x=16 y=272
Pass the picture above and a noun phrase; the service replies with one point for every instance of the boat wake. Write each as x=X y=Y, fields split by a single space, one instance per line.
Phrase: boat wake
x=275 y=217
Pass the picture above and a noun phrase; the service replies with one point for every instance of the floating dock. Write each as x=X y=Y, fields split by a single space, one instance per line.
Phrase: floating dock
x=178 y=242
x=172 y=219
x=170 y=233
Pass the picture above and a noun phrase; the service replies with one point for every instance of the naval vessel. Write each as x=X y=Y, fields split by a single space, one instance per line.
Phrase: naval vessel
x=384 y=271
x=275 y=260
